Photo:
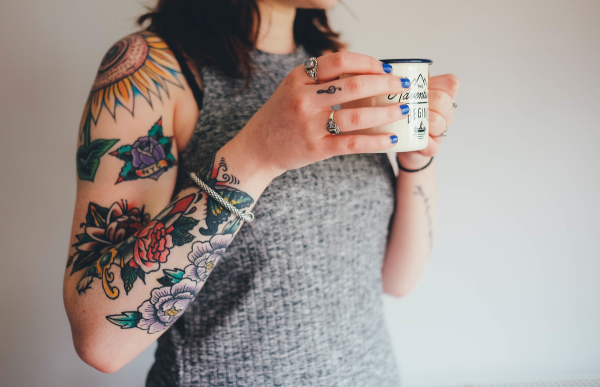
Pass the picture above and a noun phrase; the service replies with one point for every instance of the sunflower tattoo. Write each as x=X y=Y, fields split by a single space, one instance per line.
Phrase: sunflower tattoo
x=138 y=65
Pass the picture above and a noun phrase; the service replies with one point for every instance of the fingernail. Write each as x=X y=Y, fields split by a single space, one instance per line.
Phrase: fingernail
x=405 y=82
x=394 y=138
x=387 y=68
x=405 y=109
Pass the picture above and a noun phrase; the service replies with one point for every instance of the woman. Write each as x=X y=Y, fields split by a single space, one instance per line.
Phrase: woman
x=219 y=89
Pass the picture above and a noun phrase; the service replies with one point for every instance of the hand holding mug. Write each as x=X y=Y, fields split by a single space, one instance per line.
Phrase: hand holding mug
x=443 y=90
x=290 y=130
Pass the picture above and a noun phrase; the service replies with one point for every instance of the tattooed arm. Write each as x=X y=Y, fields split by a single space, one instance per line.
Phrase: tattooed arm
x=128 y=276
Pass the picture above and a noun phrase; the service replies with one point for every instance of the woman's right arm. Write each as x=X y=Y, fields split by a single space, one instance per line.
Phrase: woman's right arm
x=128 y=278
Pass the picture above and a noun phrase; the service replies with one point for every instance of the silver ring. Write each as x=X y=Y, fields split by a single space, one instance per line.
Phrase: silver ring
x=454 y=106
x=331 y=126
x=443 y=134
x=310 y=66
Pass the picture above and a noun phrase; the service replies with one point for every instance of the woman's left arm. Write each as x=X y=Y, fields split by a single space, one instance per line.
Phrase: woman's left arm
x=413 y=227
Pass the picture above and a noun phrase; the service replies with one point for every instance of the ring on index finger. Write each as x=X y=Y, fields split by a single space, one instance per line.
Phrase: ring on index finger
x=310 y=66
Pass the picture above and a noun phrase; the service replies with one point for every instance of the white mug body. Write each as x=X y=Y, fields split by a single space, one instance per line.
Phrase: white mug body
x=413 y=131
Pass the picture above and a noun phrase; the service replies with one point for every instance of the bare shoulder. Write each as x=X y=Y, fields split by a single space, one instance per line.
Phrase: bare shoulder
x=139 y=80
x=140 y=65
x=139 y=85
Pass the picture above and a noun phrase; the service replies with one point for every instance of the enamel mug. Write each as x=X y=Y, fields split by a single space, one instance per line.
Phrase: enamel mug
x=413 y=131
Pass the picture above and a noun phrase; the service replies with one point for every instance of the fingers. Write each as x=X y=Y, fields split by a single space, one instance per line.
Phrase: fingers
x=357 y=87
x=441 y=103
x=358 y=143
x=437 y=125
x=331 y=66
x=448 y=83
x=368 y=117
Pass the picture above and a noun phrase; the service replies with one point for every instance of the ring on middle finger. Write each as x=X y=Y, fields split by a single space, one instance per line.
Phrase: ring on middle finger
x=332 y=126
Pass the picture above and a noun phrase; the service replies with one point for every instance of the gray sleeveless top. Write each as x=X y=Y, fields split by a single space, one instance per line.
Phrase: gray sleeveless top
x=297 y=298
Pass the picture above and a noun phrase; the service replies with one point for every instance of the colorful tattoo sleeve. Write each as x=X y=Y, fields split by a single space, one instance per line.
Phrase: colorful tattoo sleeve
x=121 y=238
x=138 y=65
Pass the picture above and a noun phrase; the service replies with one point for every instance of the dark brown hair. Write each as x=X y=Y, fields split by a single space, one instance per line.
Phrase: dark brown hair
x=221 y=33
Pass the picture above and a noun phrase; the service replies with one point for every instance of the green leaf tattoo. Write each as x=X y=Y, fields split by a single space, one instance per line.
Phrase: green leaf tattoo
x=128 y=274
x=125 y=320
x=171 y=277
x=88 y=154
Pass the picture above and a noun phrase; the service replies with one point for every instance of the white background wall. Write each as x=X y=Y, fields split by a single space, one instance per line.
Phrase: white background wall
x=513 y=286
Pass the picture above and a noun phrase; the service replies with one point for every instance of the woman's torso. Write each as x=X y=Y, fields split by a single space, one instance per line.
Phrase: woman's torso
x=296 y=299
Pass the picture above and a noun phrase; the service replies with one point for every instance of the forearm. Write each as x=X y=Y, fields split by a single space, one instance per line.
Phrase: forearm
x=122 y=297
x=412 y=232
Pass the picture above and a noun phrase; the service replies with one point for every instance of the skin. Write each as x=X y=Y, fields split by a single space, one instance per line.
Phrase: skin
x=255 y=159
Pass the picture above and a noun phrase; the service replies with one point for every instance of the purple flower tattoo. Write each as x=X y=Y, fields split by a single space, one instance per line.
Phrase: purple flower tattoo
x=148 y=158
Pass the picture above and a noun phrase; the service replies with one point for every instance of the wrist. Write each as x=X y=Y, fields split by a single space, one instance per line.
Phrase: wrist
x=253 y=178
x=412 y=160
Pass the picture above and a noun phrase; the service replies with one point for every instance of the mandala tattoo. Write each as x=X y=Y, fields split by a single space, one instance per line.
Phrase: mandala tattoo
x=138 y=65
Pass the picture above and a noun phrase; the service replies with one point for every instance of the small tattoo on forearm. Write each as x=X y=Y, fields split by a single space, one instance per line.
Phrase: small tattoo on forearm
x=419 y=192
x=330 y=90
x=228 y=179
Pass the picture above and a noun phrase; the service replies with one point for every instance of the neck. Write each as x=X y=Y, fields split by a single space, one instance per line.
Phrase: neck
x=276 y=33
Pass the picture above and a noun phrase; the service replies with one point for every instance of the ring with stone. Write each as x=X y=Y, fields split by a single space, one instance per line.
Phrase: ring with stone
x=310 y=66
x=332 y=126
x=443 y=134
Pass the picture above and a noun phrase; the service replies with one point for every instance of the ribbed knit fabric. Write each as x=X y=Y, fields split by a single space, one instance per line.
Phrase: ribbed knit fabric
x=297 y=298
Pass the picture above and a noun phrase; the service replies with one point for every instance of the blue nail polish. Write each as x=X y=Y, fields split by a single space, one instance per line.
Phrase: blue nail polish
x=405 y=82
x=387 y=68
x=394 y=138
x=405 y=109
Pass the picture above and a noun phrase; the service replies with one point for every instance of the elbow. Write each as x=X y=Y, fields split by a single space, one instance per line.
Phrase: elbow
x=398 y=292
x=93 y=355
x=91 y=346
x=398 y=288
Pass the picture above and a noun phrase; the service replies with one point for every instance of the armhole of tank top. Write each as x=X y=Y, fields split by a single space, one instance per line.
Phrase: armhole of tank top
x=189 y=77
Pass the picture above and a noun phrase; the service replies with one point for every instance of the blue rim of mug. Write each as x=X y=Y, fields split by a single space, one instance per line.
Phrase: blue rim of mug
x=428 y=61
